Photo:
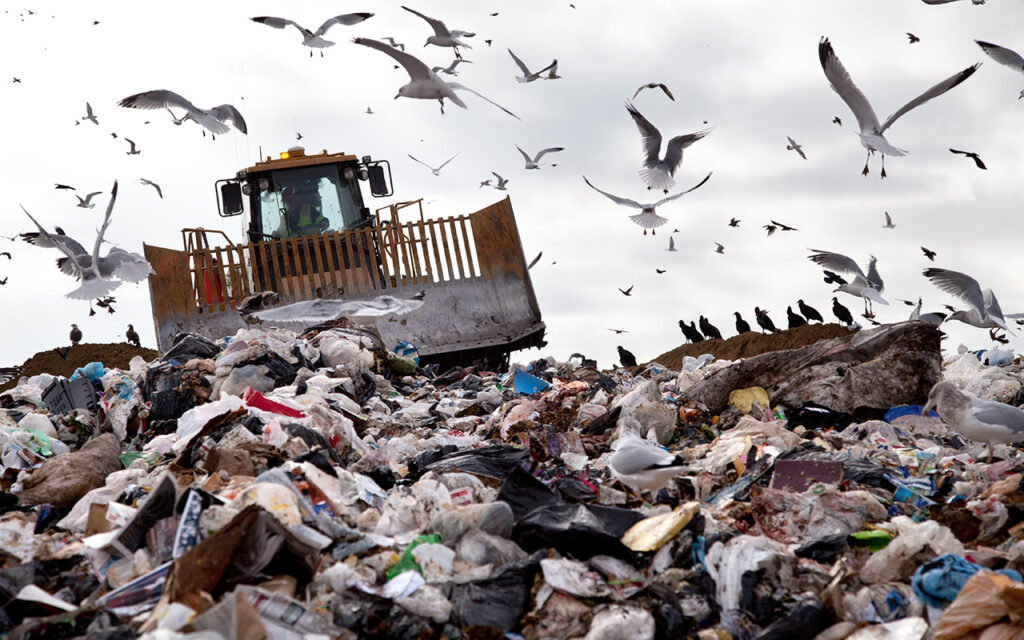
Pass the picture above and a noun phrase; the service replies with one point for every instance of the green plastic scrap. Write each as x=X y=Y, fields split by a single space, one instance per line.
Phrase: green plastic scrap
x=874 y=539
x=38 y=442
x=406 y=561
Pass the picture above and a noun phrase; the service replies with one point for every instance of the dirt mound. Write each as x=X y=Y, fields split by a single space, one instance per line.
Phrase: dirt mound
x=752 y=343
x=112 y=355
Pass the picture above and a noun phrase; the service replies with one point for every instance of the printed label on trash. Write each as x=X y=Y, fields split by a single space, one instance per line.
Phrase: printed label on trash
x=461 y=497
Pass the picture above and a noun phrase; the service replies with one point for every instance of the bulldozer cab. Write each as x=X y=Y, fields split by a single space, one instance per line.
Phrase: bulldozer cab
x=307 y=201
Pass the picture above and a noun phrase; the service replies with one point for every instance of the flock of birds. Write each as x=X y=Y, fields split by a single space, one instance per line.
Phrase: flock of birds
x=99 y=274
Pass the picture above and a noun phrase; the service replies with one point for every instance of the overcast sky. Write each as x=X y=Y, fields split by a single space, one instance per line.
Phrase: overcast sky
x=748 y=69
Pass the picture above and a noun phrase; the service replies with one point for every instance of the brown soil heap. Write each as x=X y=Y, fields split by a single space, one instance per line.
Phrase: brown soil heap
x=752 y=343
x=112 y=355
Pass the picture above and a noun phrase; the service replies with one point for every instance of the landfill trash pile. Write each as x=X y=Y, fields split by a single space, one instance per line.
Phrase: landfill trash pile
x=277 y=485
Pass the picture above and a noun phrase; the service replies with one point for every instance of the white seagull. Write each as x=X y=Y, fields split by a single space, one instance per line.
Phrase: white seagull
x=425 y=84
x=435 y=171
x=888 y=222
x=647 y=218
x=671 y=244
x=150 y=183
x=641 y=465
x=869 y=286
x=871 y=132
x=976 y=419
x=443 y=37
x=658 y=172
x=86 y=202
x=553 y=72
x=88 y=114
x=534 y=163
x=529 y=76
x=314 y=39
x=655 y=85
x=391 y=41
x=450 y=69
x=210 y=119
x=501 y=182
x=793 y=146
x=984 y=312
x=99 y=275
x=1002 y=55
x=133 y=151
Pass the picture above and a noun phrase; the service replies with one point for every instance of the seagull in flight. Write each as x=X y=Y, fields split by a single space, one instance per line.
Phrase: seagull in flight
x=793 y=146
x=436 y=171
x=534 y=163
x=528 y=76
x=150 y=183
x=783 y=227
x=888 y=222
x=868 y=286
x=1005 y=56
x=443 y=37
x=501 y=182
x=98 y=275
x=972 y=156
x=718 y=247
x=647 y=218
x=391 y=41
x=553 y=72
x=984 y=312
x=627 y=292
x=86 y=202
x=212 y=120
x=89 y=115
x=913 y=38
x=928 y=253
x=671 y=244
x=133 y=151
x=450 y=69
x=658 y=172
x=423 y=83
x=655 y=85
x=734 y=222
x=314 y=39
x=871 y=132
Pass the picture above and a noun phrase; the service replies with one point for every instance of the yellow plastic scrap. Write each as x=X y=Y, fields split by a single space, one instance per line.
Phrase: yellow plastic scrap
x=744 y=399
x=650 y=534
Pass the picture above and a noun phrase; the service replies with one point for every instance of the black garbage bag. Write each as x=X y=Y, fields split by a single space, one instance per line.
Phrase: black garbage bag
x=494 y=461
x=812 y=415
x=863 y=471
x=499 y=601
x=824 y=550
x=159 y=505
x=669 y=620
x=525 y=494
x=471 y=382
x=602 y=423
x=378 y=618
x=281 y=372
x=417 y=465
x=187 y=346
x=804 y=621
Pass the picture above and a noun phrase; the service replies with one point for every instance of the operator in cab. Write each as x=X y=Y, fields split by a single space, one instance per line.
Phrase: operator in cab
x=301 y=214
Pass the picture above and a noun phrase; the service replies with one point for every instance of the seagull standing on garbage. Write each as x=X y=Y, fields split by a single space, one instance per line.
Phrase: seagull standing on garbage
x=443 y=36
x=314 y=39
x=647 y=218
x=869 y=286
x=984 y=313
x=640 y=465
x=658 y=171
x=425 y=84
x=974 y=418
x=871 y=132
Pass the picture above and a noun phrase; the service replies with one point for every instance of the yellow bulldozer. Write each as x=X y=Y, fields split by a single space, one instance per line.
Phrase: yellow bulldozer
x=311 y=236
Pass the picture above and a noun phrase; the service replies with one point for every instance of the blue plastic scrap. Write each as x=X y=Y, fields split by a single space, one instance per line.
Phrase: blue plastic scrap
x=906 y=410
x=527 y=384
x=938 y=582
x=407 y=350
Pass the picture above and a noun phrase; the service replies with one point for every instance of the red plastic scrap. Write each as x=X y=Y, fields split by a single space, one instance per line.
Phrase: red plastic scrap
x=255 y=399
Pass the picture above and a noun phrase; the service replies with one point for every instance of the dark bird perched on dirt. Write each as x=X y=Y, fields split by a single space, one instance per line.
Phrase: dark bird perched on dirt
x=626 y=358
x=928 y=253
x=841 y=312
x=133 y=338
x=795 y=319
x=76 y=334
x=764 y=321
x=809 y=312
x=691 y=333
x=709 y=330
x=741 y=325
x=972 y=156
x=833 y=277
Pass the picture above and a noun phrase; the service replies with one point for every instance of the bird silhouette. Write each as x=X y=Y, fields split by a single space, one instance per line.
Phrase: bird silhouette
x=626 y=358
x=764 y=321
x=627 y=292
x=972 y=156
x=691 y=332
x=809 y=312
x=741 y=325
x=841 y=312
x=709 y=330
x=795 y=319
x=928 y=253
x=734 y=222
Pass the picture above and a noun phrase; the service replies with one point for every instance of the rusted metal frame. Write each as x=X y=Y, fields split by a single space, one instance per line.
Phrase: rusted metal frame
x=377 y=234
x=428 y=271
x=220 y=274
x=469 y=247
x=407 y=275
x=295 y=269
x=394 y=238
x=313 y=275
x=447 y=248
x=455 y=246
x=341 y=250
x=243 y=267
x=356 y=261
x=439 y=275
x=372 y=266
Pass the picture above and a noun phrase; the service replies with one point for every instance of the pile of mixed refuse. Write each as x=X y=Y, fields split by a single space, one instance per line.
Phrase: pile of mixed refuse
x=277 y=485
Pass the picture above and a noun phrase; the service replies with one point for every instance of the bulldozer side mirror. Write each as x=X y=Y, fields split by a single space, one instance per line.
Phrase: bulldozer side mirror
x=379 y=186
x=230 y=199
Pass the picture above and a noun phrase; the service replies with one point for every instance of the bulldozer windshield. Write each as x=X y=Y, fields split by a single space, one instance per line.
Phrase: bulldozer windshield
x=308 y=200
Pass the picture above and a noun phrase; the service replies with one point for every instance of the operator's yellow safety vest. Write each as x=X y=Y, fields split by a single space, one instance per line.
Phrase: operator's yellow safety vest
x=309 y=219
